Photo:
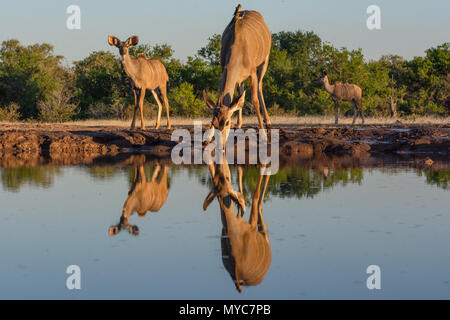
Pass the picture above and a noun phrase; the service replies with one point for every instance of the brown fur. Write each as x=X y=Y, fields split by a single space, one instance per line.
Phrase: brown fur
x=144 y=196
x=344 y=92
x=144 y=74
x=246 y=252
x=245 y=50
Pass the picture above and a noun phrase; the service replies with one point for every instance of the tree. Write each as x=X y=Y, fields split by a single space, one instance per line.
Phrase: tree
x=428 y=82
x=185 y=103
x=100 y=78
x=211 y=52
x=29 y=74
x=32 y=76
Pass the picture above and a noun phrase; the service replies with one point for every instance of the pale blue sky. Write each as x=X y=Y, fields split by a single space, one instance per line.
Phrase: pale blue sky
x=408 y=27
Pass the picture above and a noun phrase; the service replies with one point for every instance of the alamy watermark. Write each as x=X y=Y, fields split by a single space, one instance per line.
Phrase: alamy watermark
x=189 y=150
x=73 y=22
x=373 y=22
x=374 y=280
x=74 y=280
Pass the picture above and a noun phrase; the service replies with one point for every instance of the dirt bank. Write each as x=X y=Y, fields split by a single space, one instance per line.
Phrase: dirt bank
x=32 y=144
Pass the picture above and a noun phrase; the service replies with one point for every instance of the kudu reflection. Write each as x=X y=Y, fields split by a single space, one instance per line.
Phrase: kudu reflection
x=145 y=195
x=246 y=250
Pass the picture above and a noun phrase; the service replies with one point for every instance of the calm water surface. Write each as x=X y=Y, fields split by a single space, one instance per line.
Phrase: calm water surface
x=325 y=228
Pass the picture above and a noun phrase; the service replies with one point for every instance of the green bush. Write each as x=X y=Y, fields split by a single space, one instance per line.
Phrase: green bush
x=57 y=108
x=150 y=111
x=10 y=113
x=102 y=110
x=29 y=74
x=184 y=102
x=100 y=80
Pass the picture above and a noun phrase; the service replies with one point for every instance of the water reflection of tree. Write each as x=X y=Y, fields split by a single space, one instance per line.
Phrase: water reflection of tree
x=303 y=182
x=104 y=172
x=14 y=178
x=292 y=182
x=440 y=179
x=288 y=182
x=110 y=172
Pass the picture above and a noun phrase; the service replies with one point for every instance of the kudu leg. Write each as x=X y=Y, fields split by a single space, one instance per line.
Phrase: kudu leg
x=135 y=179
x=163 y=91
x=141 y=107
x=239 y=119
x=158 y=117
x=361 y=112
x=261 y=220
x=255 y=100
x=261 y=72
x=336 y=112
x=142 y=173
x=135 y=109
x=241 y=188
x=355 y=112
x=254 y=214
x=156 y=172
x=163 y=179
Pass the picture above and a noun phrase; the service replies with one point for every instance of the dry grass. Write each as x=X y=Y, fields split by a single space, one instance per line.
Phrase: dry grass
x=252 y=121
x=277 y=121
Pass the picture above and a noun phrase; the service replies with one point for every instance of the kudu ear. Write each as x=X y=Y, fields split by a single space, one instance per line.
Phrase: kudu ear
x=113 y=230
x=132 y=41
x=238 y=103
x=209 y=198
x=113 y=41
x=134 y=230
x=209 y=103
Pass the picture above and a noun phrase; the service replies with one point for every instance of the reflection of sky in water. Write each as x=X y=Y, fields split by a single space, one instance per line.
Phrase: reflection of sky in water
x=321 y=245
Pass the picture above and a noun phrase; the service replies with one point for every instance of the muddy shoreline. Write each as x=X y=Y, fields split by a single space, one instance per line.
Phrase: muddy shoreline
x=37 y=144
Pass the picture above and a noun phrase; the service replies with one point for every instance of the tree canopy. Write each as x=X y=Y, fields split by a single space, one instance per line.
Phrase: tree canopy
x=33 y=75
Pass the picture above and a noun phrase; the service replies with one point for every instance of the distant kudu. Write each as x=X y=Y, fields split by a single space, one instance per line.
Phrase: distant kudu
x=143 y=74
x=245 y=51
x=344 y=92
x=144 y=196
x=246 y=252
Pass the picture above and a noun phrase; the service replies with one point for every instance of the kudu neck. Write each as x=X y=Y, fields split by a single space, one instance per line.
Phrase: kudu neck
x=128 y=63
x=231 y=220
x=227 y=88
x=328 y=87
x=129 y=207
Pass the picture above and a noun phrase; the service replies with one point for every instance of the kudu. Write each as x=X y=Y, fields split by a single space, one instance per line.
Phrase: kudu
x=246 y=252
x=245 y=50
x=344 y=92
x=144 y=196
x=144 y=74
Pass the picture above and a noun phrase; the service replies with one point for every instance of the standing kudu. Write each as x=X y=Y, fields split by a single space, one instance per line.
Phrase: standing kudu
x=344 y=92
x=245 y=51
x=246 y=252
x=143 y=74
x=144 y=196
